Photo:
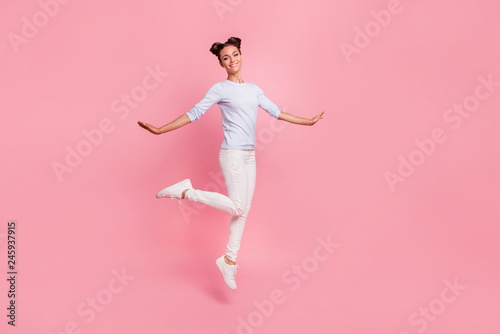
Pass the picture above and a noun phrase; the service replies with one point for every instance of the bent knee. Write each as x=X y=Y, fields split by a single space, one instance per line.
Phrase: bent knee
x=240 y=211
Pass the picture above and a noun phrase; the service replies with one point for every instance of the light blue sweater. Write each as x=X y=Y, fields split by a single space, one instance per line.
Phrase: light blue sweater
x=238 y=103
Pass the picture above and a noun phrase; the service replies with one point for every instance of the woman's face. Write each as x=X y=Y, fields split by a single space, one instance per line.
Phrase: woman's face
x=230 y=59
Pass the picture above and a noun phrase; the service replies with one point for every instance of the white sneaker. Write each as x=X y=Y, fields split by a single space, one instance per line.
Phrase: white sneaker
x=175 y=191
x=228 y=271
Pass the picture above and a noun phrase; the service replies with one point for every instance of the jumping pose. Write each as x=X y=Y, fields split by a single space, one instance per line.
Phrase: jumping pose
x=238 y=101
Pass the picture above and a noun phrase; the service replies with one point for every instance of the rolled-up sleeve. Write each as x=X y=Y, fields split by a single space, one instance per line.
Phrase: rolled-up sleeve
x=266 y=104
x=211 y=97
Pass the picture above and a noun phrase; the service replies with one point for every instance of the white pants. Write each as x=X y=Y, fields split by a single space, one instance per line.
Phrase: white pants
x=239 y=171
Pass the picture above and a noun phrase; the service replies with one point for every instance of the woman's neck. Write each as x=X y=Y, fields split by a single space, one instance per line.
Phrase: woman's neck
x=235 y=77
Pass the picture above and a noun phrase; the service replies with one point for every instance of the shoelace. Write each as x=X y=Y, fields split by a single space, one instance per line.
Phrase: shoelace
x=173 y=197
x=233 y=270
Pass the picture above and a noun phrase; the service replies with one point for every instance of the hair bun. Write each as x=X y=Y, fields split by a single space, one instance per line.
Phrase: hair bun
x=234 y=40
x=216 y=47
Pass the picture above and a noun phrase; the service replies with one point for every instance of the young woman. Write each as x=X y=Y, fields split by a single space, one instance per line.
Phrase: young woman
x=238 y=101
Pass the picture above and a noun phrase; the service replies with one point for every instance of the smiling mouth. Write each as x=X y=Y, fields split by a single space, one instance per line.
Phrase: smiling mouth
x=234 y=65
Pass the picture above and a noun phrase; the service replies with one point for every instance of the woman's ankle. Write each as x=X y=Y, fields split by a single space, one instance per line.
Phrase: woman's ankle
x=229 y=261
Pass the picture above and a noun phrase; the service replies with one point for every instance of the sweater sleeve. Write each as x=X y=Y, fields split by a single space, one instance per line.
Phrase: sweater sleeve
x=212 y=97
x=266 y=104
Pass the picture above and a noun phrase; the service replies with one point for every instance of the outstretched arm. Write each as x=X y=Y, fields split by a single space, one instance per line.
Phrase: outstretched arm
x=299 y=120
x=175 y=124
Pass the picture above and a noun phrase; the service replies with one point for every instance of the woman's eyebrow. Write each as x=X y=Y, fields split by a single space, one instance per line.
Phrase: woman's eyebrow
x=227 y=54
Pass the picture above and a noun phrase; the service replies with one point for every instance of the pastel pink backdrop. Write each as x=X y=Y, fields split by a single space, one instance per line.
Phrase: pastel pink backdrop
x=397 y=250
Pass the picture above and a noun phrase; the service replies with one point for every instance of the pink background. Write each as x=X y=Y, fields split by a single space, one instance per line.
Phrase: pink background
x=398 y=248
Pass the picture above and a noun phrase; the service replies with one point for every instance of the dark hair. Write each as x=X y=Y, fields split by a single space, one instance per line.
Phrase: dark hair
x=217 y=47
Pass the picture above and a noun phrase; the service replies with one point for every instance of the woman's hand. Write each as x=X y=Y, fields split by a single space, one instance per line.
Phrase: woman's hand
x=149 y=127
x=316 y=118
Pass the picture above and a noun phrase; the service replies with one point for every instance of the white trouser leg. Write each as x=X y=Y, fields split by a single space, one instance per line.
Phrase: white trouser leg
x=240 y=182
x=231 y=163
x=239 y=171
